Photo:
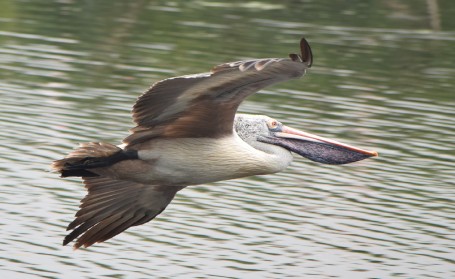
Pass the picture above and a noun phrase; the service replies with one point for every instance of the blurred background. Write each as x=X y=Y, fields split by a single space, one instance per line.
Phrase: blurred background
x=383 y=79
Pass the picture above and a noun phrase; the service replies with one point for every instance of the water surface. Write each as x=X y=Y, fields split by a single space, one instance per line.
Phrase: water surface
x=383 y=79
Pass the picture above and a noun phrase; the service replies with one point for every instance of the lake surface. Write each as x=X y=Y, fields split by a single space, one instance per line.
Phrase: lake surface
x=383 y=79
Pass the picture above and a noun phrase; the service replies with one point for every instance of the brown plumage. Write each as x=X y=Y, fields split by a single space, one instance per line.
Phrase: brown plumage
x=188 y=133
x=111 y=206
x=185 y=106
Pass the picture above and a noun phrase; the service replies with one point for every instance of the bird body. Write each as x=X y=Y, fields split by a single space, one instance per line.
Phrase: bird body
x=163 y=159
x=188 y=133
x=207 y=160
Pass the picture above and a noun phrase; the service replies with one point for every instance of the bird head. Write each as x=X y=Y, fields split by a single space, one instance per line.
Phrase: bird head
x=255 y=129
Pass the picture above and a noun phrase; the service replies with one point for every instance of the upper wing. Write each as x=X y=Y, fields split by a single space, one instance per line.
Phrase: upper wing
x=204 y=105
x=112 y=206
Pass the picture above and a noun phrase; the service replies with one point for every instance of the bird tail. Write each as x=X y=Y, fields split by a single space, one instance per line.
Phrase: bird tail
x=89 y=156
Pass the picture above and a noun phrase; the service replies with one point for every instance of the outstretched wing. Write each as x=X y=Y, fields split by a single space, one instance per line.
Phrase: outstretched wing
x=204 y=105
x=112 y=206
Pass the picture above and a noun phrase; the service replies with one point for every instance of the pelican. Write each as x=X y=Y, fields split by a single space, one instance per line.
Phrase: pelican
x=187 y=133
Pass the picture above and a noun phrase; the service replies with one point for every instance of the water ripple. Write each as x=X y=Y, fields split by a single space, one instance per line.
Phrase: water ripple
x=372 y=86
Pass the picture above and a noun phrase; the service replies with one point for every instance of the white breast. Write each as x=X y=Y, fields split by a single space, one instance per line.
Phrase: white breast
x=201 y=160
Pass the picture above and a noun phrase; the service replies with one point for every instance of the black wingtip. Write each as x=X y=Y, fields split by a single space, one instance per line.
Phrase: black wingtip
x=306 y=56
x=65 y=241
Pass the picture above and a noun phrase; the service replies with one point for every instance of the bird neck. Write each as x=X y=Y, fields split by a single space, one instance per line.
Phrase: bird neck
x=273 y=157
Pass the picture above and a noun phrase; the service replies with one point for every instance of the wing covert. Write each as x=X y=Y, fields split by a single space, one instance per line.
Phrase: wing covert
x=204 y=105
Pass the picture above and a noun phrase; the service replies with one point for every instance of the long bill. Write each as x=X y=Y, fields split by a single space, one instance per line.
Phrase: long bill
x=319 y=149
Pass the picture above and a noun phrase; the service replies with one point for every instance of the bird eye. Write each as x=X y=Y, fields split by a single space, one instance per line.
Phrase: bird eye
x=273 y=124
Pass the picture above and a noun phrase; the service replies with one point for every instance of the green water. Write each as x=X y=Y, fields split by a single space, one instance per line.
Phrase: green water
x=383 y=79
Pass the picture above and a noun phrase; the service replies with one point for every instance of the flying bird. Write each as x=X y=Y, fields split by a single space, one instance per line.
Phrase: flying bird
x=187 y=133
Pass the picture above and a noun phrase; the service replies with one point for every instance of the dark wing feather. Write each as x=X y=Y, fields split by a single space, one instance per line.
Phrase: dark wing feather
x=204 y=105
x=112 y=206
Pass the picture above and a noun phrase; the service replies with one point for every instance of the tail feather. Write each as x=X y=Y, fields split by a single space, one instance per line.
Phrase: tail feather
x=89 y=156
